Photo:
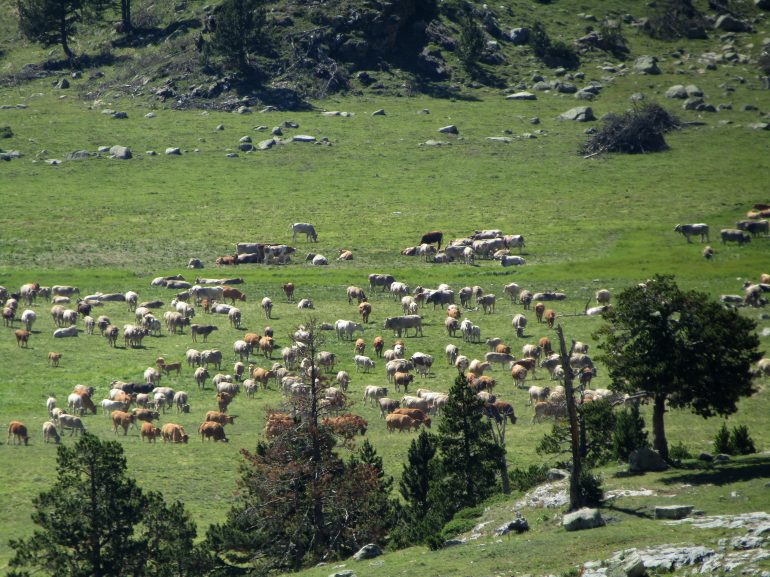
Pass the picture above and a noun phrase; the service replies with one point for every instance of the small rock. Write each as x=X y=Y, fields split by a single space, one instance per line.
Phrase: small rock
x=220 y=127
x=646 y=65
x=345 y=573
x=584 y=518
x=120 y=115
x=451 y=129
x=260 y=128
x=631 y=566
x=759 y=126
x=534 y=120
x=379 y=112
x=423 y=111
x=151 y=153
x=585 y=95
x=746 y=542
x=636 y=97
x=693 y=91
x=78 y=155
x=519 y=36
x=108 y=112
x=53 y=161
x=245 y=147
x=277 y=131
x=673 y=511
x=579 y=114
x=245 y=139
x=173 y=150
x=693 y=104
x=748 y=108
x=645 y=459
x=119 y=152
x=521 y=96
x=556 y=474
x=243 y=110
x=231 y=155
x=722 y=458
x=676 y=91
x=519 y=525
x=63 y=84
x=436 y=143
x=730 y=23
x=266 y=144
x=453 y=543
x=706 y=457
x=303 y=138
x=369 y=551
x=150 y=115
x=290 y=124
x=267 y=109
x=76 y=74
x=499 y=139
x=566 y=88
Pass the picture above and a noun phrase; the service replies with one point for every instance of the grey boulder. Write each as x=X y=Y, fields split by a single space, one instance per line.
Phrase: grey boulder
x=78 y=155
x=646 y=65
x=173 y=151
x=584 y=518
x=579 y=114
x=676 y=91
x=645 y=459
x=369 y=551
x=451 y=129
x=120 y=152
x=673 y=511
x=521 y=96
x=730 y=23
x=519 y=36
x=630 y=566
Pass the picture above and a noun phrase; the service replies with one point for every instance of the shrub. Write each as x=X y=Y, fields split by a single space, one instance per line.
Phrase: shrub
x=6 y=132
x=741 y=441
x=591 y=491
x=524 y=479
x=456 y=527
x=676 y=19
x=722 y=441
x=552 y=53
x=679 y=452
x=637 y=131
x=628 y=434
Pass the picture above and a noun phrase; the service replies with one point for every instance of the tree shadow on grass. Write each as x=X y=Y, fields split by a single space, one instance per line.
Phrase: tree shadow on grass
x=641 y=512
x=141 y=37
x=745 y=469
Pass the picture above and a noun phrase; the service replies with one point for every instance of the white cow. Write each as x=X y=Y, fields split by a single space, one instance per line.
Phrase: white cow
x=303 y=228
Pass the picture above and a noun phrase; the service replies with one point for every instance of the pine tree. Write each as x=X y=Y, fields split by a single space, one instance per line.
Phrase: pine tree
x=239 y=32
x=55 y=21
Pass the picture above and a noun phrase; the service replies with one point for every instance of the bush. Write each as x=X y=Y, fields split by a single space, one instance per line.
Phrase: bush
x=456 y=527
x=741 y=441
x=524 y=479
x=591 y=491
x=6 y=132
x=679 y=452
x=722 y=441
x=676 y=19
x=628 y=434
x=552 y=53
x=635 y=132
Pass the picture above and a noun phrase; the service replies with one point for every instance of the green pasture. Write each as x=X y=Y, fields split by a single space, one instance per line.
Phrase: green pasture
x=111 y=226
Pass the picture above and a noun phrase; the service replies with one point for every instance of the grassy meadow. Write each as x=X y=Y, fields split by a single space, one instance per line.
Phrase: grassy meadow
x=111 y=226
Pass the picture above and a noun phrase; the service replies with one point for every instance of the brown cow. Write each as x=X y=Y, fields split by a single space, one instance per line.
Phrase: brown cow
x=227 y=260
x=415 y=414
x=503 y=349
x=539 y=310
x=550 y=317
x=223 y=401
x=360 y=346
x=233 y=294
x=150 y=432
x=18 y=431
x=378 y=345
x=252 y=339
x=545 y=344
x=402 y=380
x=266 y=345
x=431 y=237
x=347 y=426
x=221 y=418
x=53 y=359
x=262 y=376
x=146 y=415
x=173 y=433
x=168 y=367
x=288 y=290
x=212 y=430
x=122 y=419
x=365 y=309
x=400 y=422
x=277 y=423
x=22 y=338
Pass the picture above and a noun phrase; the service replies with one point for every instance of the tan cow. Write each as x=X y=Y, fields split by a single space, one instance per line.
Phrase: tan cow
x=400 y=422
x=219 y=417
x=122 y=419
x=173 y=433
x=212 y=430
x=150 y=432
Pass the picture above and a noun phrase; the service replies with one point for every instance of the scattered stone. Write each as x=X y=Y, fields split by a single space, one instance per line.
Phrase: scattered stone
x=451 y=129
x=336 y=113
x=266 y=144
x=231 y=155
x=108 y=112
x=521 y=96
x=646 y=65
x=693 y=91
x=630 y=566
x=76 y=74
x=220 y=127
x=436 y=143
x=534 y=120
x=518 y=525
x=379 y=112
x=289 y=124
x=53 y=161
x=528 y=136
x=267 y=109
x=120 y=115
x=119 y=152
x=693 y=104
x=519 y=36
x=303 y=138
x=541 y=86
x=173 y=151
x=150 y=115
x=592 y=130
x=151 y=153
x=79 y=155
x=63 y=84
x=730 y=23
x=565 y=88
x=345 y=573
x=365 y=78
x=246 y=147
x=584 y=518
x=722 y=458
x=615 y=493
x=260 y=128
x=749 y=108
x=762 y=4
x=453 y=542
x=636 y=97
x=759 y=126
x=369 y=551
x=677 y=91
x=746 y=542
x=277 y=131
x=245 y=139
x=585 y=95
x=705 y=457
x=556 y=474
x=500 y=139
x=673 y=511
x=243 y=110
x=579 y=114
x=423 y=111
x=560 y=71
x=645 y=459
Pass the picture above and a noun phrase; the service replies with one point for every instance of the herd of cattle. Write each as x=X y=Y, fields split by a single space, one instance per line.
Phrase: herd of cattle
x=298 y=374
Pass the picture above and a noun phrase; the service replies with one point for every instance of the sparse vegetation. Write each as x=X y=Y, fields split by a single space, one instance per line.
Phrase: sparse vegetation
x=637 y=131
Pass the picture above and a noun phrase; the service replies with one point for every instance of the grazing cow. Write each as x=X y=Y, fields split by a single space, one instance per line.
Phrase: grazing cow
x=549 y=409
x=266 y=346
x=519 y=375
x=305 y=304
x=487 y=302
x=410 y=402
x=381 y=280
x=578 y=347
x=754 y=227
x=212 y=430
x=267 y=306
x=220 y=417
x=387 y=406
x=363 y=362
x=415 y=414
x=355 y=293
x=204 y=330
x=22 y=338
x=374 y=393
x=519 y=322
x=734 y=235
x=365 y=309
x=440 y=298
x=288 y=290
x=343 y=380
x=525 y=297
x=400 y=423
x=50 y=432
x=538 y=394
x=403 y=323
x=346 y=426
x=145 y=415
x=360 y=347
x=432 y=237
x=123 y=420
x=378 y=344
x=149 y=432
x=402 y=380
x=698 y=229
x=173 y=433
x=512 y=261
x=505 y=409
x=303 y=228
x=539 y=310
x=262 y=376
x=451 y=353
x=345 y=329
x=18 y=431
x=223 y=400
x=28 y=318
x=71 y=422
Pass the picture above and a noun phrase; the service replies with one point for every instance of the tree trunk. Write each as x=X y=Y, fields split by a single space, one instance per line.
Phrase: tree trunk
x=63 y=33
x=659 y=442
x=125 y=16
x=575 y=499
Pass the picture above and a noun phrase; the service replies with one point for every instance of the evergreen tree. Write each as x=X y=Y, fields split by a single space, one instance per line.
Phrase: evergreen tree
x=54 y=21
x=471 y=43
x=628 y=434
x=468 y=455
x=95 y=521
x=681 y=348
x=239 y=32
